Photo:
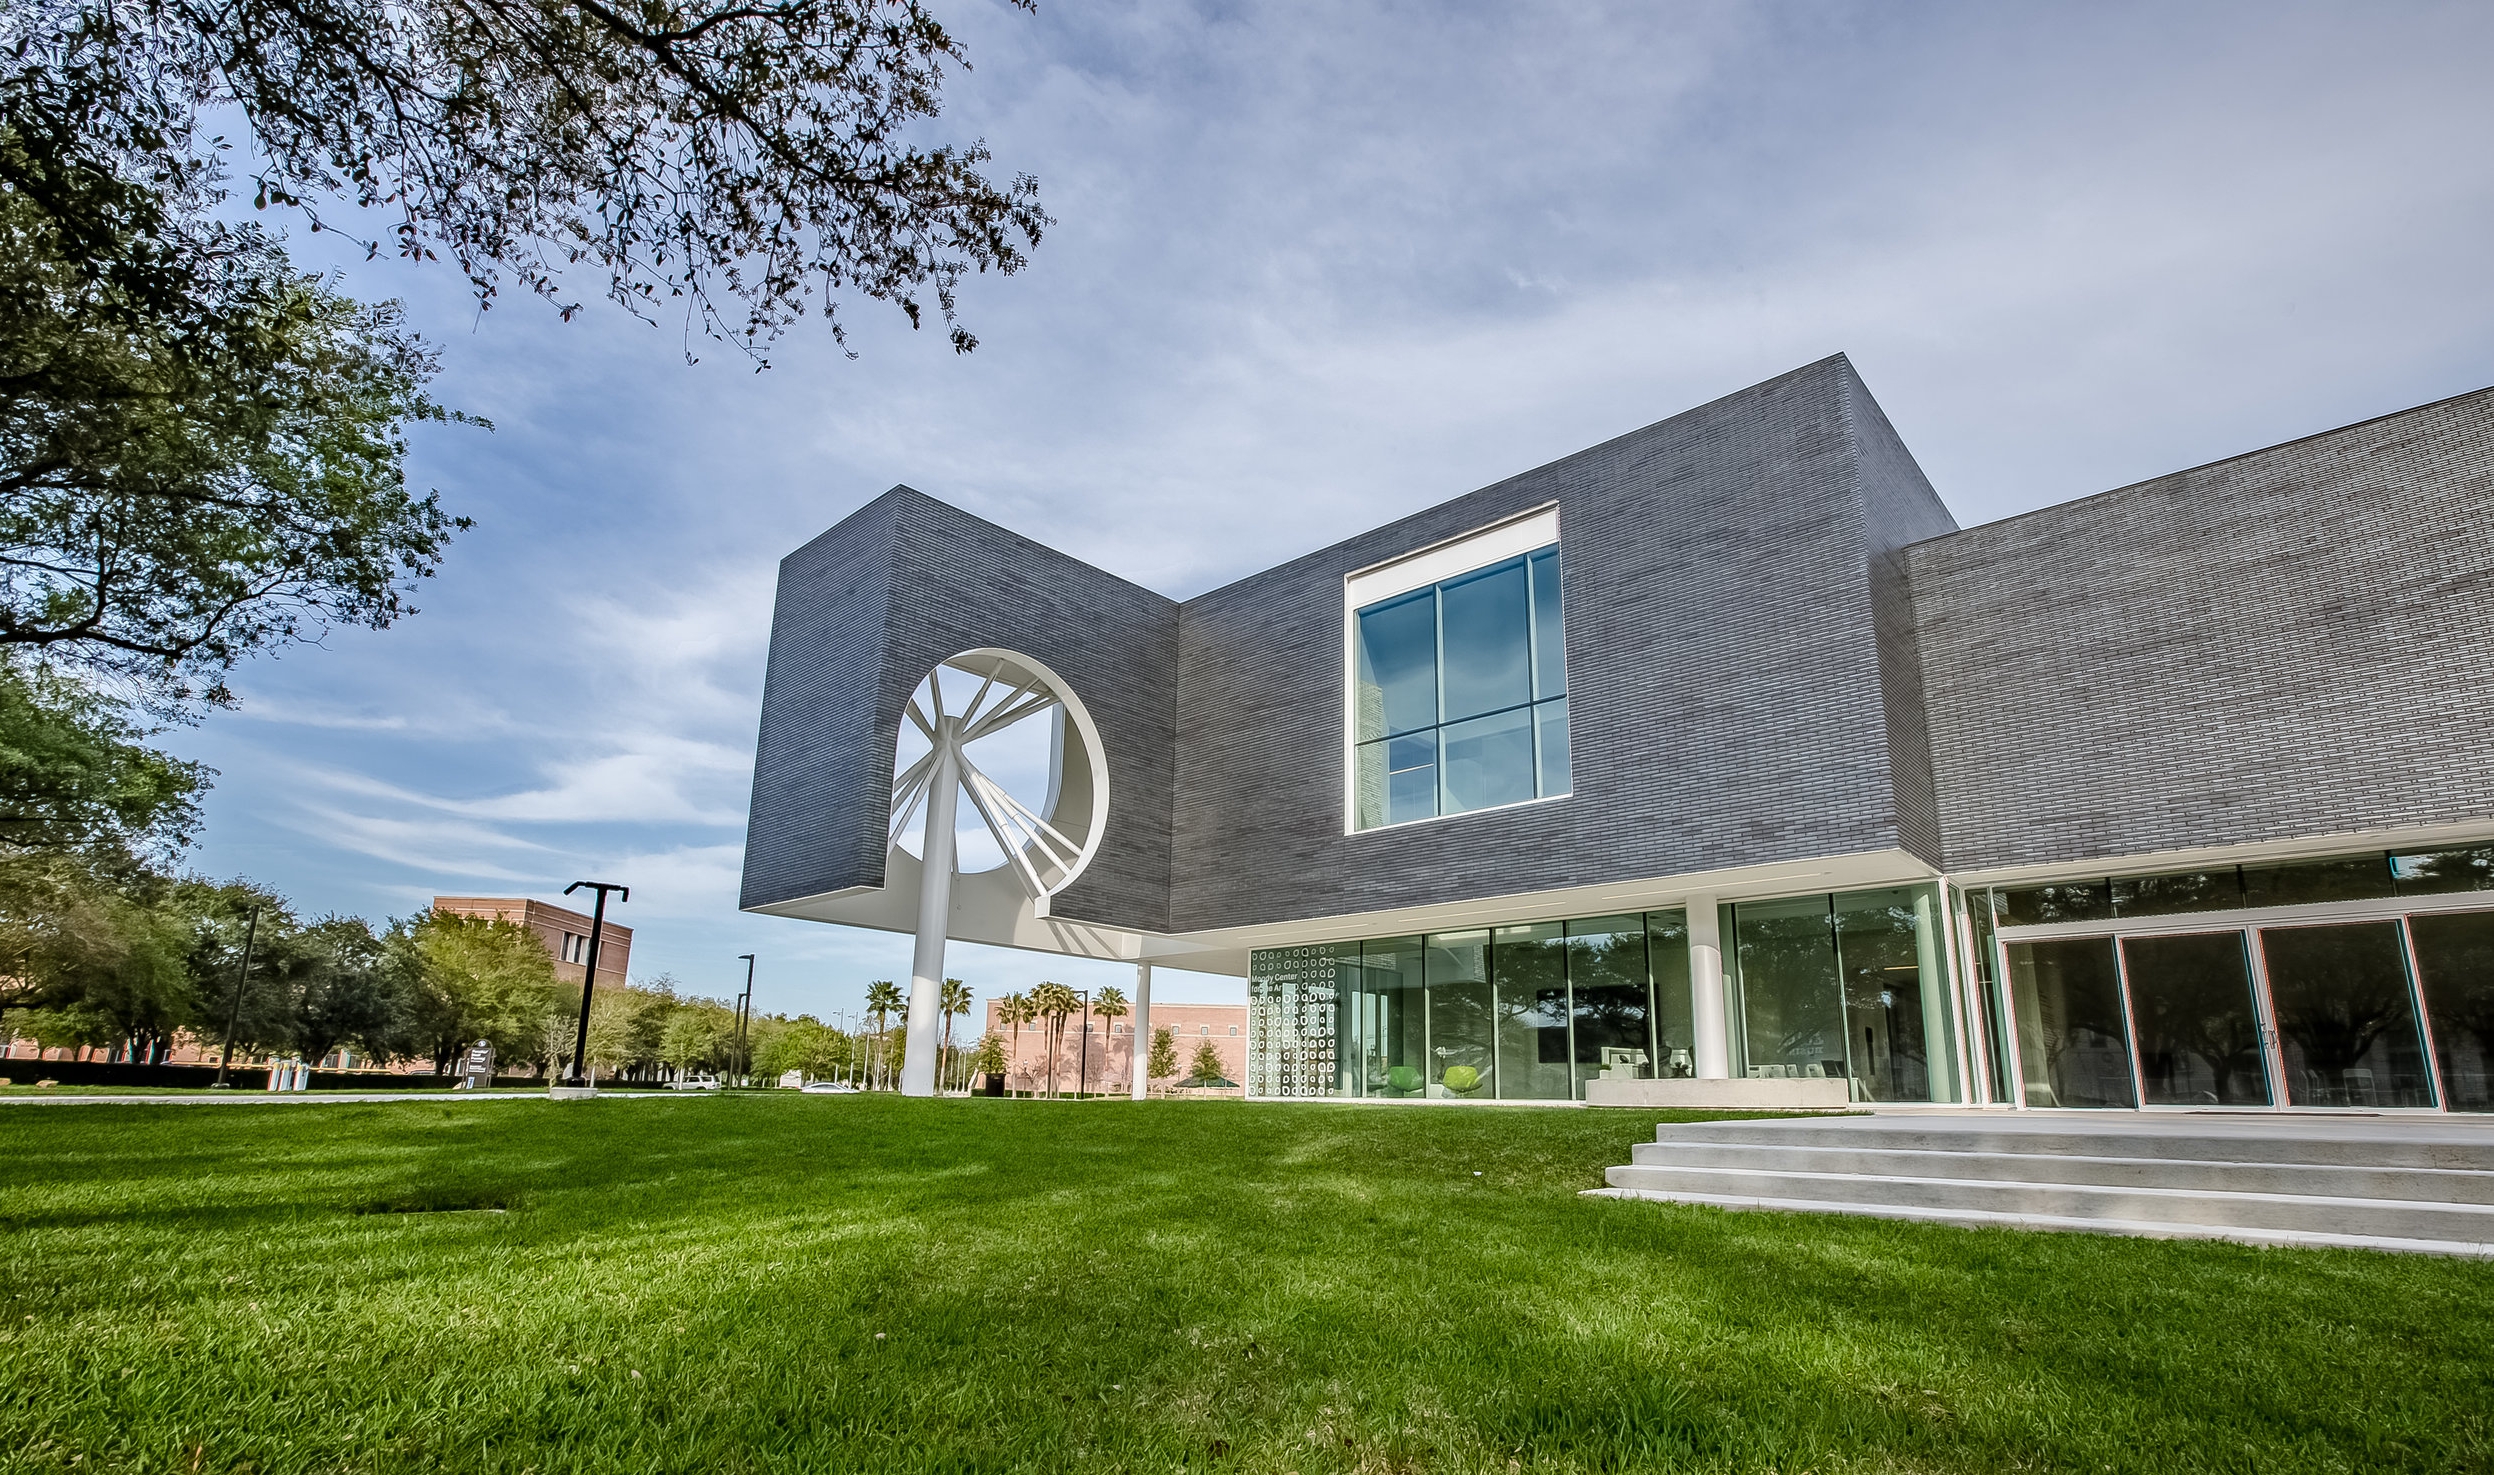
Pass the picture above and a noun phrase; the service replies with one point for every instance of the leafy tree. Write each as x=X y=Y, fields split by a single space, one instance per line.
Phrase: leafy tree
x=989 y=1058
x=73 y=774
x=1164 y=1063
x=687 y=150
x=489 y=980
x=1207 y=1063
x=201 y=447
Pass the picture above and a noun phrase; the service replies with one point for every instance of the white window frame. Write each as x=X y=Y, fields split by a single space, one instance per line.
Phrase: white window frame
x=1536 y=527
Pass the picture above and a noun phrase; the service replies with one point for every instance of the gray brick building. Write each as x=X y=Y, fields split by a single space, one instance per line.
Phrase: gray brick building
x=1715 y=760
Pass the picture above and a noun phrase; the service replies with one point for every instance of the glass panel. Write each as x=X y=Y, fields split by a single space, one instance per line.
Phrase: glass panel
x=2182 y=891
x=2070 y=901
x=1411 y=776
x=1398 y=665
x=1791 y=1005
x=2346 y=878
x=1882 y=964
x=2191 y=1006
x=1675 y=1027
x=1529 y=965
x=1486 y=641
x=2346 y=1020
x=2427 y=872
x=1460 y=1062
x=2455 y=963
x=1994 y=1000
x=1607 y=982
x=1294 y=1015
x=2071 y=1042
x=1550 y=739
x=1392 y=1010
x=1549 y=627
x=1489 y=761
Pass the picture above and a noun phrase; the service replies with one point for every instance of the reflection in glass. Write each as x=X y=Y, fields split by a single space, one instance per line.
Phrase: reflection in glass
x=1791 y=1003
x=1882 y=966
x=1529 y=965
x=2069 y=901
x=2182 y=891
x=1993 y=998
x=2068 y=1003
x=1461 y=695
x=2191 y=1008
x=2344 y=878
x=1460 y=1060
x=1675 y=1027
x=1550 y=743
x=1398 y=663
x=2346 y=1022
x=2455 y=963
x=1486 y=634
x=1613 y=1005
x=1489 y=761
x=1393 y=1025
x=2428 y=872
x=1398 y=779
x=1549 y=628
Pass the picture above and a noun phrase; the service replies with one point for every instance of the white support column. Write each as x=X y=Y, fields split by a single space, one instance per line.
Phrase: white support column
x=1706 y=1004
x=1139 y=1044
x=935 y=908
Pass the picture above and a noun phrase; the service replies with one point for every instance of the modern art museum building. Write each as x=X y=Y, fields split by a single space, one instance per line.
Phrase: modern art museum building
x=1715 y=764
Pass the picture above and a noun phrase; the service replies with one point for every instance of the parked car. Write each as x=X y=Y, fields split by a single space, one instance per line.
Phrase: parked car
x=702 y=1083
x=828 y=1088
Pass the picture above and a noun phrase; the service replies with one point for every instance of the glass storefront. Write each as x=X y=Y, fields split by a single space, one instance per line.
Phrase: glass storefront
x=1851 y=987
x=2361 y=982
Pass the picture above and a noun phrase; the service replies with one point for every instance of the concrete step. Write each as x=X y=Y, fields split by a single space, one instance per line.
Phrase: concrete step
x=1993 y=1219
x=2435 y=1185
x=2313 y=1213
x=2436 y=1142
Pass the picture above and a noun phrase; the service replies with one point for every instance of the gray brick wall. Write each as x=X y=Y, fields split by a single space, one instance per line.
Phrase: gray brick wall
x=2295 y=642
x=866 y=610
x=1724 y=670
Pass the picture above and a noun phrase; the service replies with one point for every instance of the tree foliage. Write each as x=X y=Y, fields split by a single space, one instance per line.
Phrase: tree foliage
x=742 y=158
x=1164 y=1059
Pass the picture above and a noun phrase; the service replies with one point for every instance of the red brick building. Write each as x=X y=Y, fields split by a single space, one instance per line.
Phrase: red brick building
x=564 y=932
x=1102 y=1059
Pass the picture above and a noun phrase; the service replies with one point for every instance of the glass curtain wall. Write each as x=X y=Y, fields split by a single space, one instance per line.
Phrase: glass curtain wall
x=2073 y=1046
x=1462 y=1053
x=2194 y=1021
x=2455 y=964
x=1538 y=1012
x=1529 y=966
x=1461 y=700
x=2346 y=1021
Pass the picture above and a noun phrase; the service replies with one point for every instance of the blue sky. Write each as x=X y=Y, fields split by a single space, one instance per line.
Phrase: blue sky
x=1320 y=265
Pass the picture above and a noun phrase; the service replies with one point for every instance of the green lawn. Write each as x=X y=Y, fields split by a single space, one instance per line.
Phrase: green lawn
x=829 y=1284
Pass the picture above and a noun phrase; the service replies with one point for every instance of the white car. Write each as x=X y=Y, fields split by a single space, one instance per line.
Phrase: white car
x=828 y=1088
x=706 y=1083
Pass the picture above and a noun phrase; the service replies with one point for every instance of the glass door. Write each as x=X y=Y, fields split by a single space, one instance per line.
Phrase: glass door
x=2195 y=1022
x=2347 y=1030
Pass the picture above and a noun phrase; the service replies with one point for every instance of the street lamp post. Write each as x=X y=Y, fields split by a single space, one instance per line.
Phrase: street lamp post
x=233 y=1016
x=744 y=1017
x=589 y=983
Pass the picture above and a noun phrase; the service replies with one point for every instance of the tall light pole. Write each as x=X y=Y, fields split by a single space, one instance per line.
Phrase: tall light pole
x=744 y=1017
x=233 y=1016
x=589 y=984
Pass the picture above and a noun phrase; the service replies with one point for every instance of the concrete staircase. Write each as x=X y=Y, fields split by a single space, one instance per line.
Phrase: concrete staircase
x=2423 y=1184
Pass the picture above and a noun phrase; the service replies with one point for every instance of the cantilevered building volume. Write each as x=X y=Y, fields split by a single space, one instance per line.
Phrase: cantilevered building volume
x=1715 y=765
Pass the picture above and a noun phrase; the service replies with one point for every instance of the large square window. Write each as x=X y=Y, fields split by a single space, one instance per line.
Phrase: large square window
x=1459 y=682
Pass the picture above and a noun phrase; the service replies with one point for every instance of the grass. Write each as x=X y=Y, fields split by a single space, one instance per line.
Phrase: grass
x=813 y=1284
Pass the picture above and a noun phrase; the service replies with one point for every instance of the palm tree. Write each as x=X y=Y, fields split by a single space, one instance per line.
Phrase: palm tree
x=1110 y=1005
x=1054 y=1001
x=955 y=999
x=882 y=999
x=1016 y=1010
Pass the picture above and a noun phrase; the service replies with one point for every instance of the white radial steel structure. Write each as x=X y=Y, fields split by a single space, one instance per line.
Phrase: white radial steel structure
x=1045 y=848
